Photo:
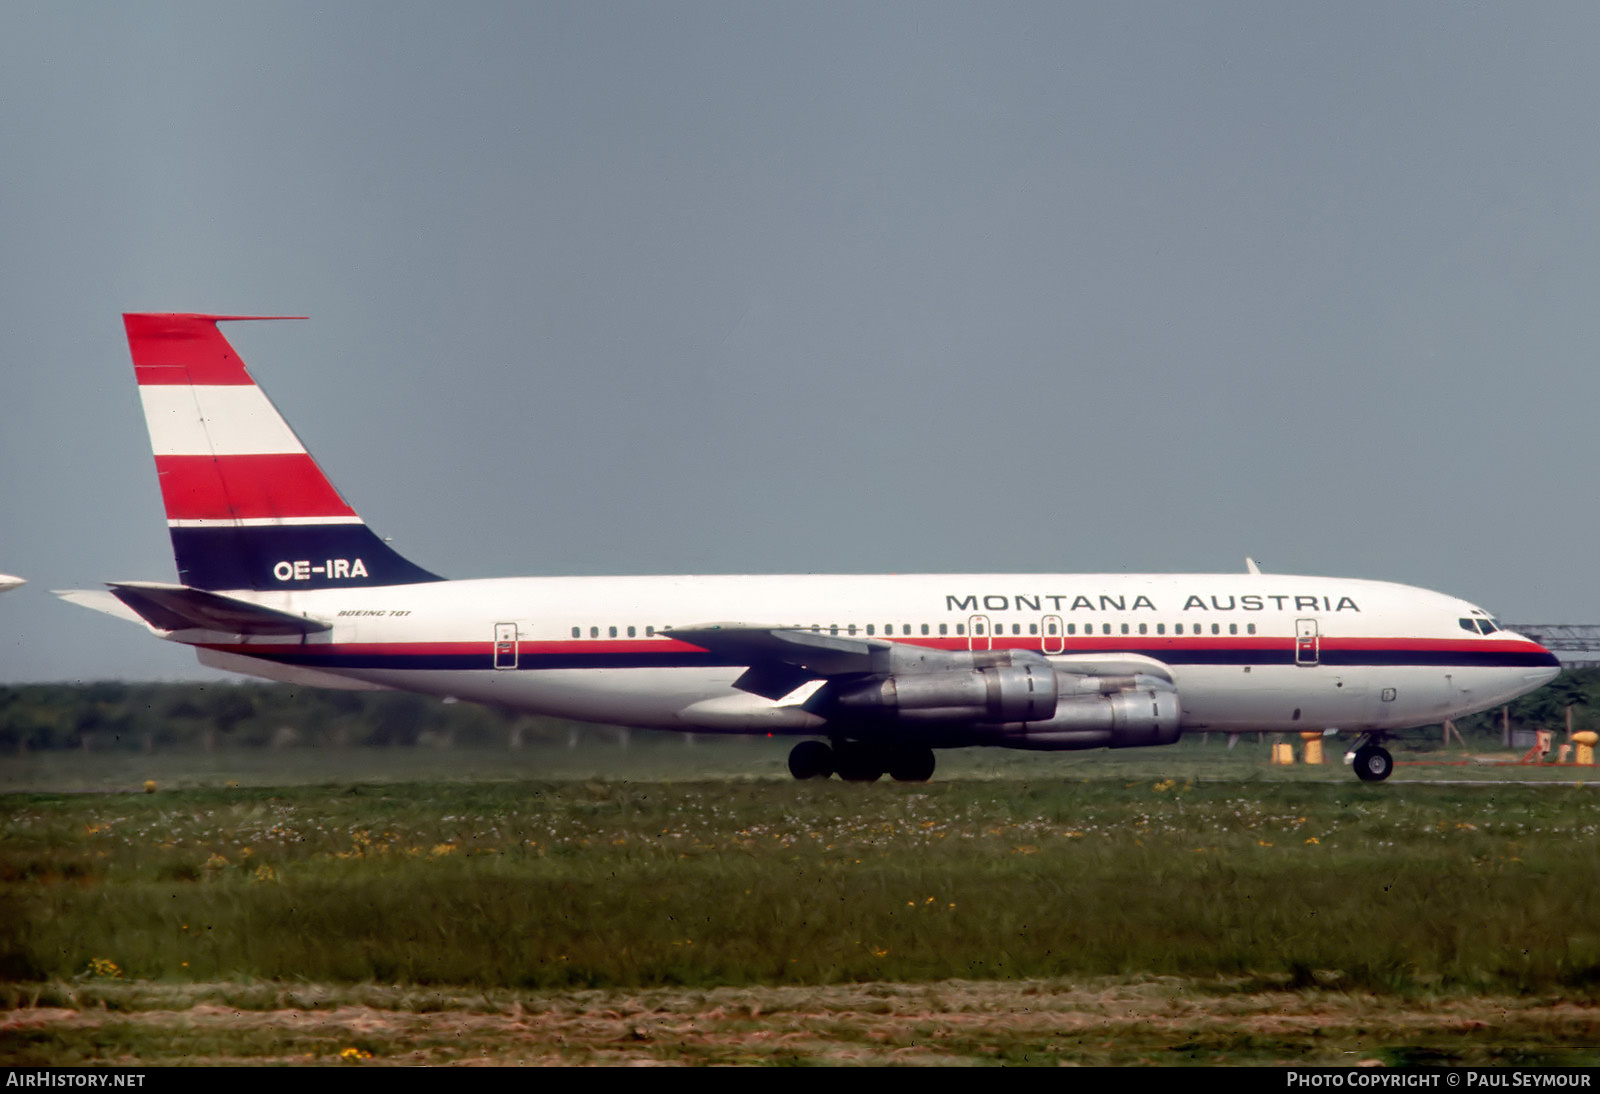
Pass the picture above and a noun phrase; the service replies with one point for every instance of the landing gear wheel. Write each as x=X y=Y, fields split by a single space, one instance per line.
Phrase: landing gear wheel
x=1373 y=764
x=857 y=762
x=811 y=760
x=912 y=764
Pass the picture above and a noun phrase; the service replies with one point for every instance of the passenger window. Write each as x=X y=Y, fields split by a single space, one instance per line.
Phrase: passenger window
x=1124 y=628
x=1161 y=628
x=1072 y=628
x=1251 y=628
x=1216 y=628
x=1233 y=628
x=852 y=628
x=1144 y=628
x=944 y=628
x=1105 y=628
x=869 y=630
x=961 y=628
x=594 y=632
x=649 y=632
x=577 y=632
x=833 y=628
x=924 y=628
x=1033 y=628
x=613 y=632
x=632 y=633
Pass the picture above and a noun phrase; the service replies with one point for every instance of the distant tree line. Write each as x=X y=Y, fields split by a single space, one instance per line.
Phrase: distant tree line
x=150 y=717
x=192 y=715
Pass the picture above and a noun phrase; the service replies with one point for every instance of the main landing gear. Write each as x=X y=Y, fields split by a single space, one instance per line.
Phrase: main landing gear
x=859 y=762
x=1372 y=761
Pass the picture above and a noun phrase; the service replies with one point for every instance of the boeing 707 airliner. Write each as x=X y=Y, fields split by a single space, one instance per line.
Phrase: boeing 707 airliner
x=279 y=577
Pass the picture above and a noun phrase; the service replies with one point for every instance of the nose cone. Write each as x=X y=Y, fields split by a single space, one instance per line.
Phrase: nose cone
x=1543 y=666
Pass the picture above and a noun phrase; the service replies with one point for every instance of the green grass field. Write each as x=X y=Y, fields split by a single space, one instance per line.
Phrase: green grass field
x=499 y=884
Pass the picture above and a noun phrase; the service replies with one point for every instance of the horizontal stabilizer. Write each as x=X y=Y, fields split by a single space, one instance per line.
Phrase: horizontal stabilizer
x=178 y=607
x=101 y=601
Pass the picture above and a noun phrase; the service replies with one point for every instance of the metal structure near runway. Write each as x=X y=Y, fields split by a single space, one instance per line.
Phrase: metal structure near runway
x=1576 y=645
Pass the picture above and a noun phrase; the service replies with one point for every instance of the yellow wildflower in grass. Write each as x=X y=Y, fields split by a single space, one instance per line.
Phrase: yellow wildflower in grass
x=215 y=862
x=103 y=968
x=1164 y=785
x=443 y=849
x=265 y=873
x=149 y=786
x=354 y=1054
x=1313 y=839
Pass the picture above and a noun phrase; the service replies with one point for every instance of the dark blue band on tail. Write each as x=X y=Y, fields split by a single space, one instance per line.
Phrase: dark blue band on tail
x=300 y=556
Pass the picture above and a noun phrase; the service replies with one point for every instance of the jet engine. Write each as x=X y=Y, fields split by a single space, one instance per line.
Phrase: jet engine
x=1144 y=713
x=1022 y=691
x=1015 y=699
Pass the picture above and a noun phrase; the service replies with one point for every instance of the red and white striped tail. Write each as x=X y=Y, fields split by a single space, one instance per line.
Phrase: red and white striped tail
x=247 y=506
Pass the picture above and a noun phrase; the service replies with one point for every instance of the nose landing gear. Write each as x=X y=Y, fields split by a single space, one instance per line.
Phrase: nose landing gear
x=1372 y=762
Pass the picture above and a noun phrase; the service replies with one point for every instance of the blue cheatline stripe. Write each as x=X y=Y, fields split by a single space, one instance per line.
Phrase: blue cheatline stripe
x=294 y=556
x=533 y=661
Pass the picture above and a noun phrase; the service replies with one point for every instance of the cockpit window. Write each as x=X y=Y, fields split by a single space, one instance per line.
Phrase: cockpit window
x=1467 y=625
x=1488 y=626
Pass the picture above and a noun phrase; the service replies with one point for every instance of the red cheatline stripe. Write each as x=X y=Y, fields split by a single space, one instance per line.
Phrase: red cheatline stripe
x=182 y=349
x=667 y=646
x=241 y=487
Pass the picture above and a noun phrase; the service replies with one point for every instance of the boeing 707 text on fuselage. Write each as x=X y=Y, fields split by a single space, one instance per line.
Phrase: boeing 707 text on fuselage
x=279 y=577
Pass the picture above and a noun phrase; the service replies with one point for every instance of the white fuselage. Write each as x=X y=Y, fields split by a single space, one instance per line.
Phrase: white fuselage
x=1246 y=652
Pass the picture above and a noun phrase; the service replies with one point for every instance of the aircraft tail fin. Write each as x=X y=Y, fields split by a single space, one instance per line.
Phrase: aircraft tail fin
x=247 y=506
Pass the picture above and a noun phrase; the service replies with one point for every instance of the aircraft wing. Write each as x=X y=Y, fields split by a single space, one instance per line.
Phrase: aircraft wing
x=783 y=658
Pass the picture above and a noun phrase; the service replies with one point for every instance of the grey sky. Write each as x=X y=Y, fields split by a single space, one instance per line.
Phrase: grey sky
x=654 y=288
